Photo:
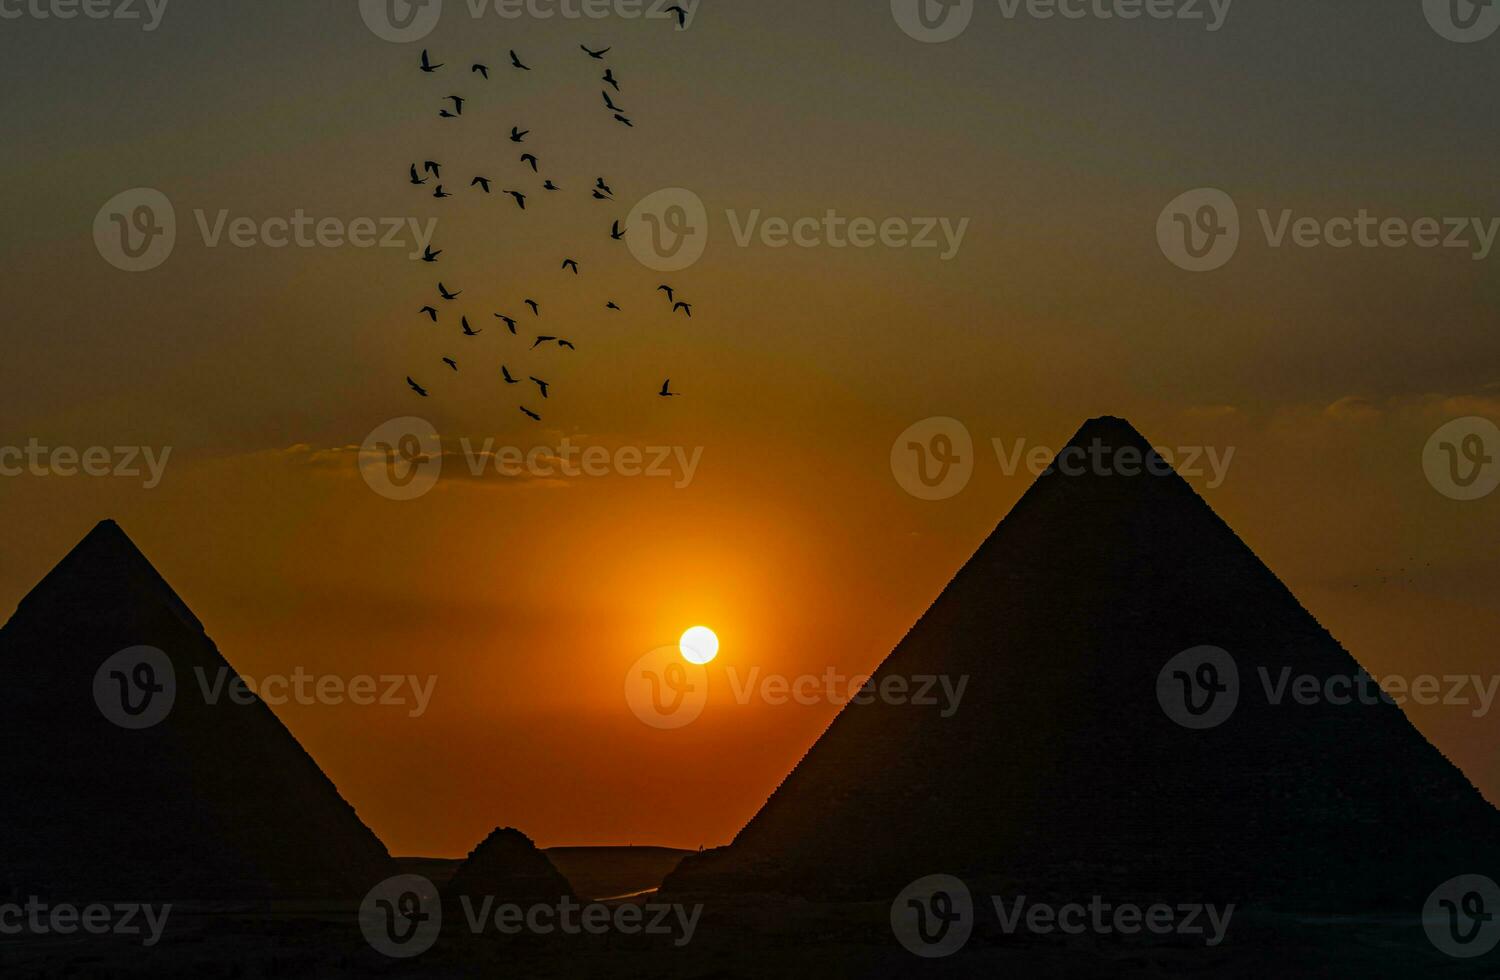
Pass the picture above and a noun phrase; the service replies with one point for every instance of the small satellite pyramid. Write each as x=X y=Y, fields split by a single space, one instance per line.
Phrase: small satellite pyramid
x=508 y=867
x=123 y=781
x=1068 y=770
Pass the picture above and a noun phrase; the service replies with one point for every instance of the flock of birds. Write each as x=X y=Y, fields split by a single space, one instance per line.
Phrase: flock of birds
x=431 y=171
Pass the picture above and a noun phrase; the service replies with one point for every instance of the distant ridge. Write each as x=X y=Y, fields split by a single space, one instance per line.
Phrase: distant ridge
x=216 y=801
x=1062 y=775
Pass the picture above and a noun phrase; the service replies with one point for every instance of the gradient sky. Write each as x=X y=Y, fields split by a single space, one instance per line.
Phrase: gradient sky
x=1059 y=141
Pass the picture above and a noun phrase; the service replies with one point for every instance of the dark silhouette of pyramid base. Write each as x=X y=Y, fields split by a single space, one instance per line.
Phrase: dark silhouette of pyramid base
x=215 y=801
x=1062 y=775
x=509 y=868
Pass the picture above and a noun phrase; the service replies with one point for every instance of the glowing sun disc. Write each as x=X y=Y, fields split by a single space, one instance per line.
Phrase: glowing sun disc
x=699 y=645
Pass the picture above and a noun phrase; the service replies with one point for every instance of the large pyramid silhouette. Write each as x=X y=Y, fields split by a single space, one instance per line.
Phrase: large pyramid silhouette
x=1062 y=775
x=216 y=800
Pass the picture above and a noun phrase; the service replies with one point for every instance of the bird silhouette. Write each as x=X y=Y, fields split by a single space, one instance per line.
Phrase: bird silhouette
x=566 y=344
x=624 y=120
x=427 y=64
x=682 y=16
x=520 y=198
x=434 y=168
x=517 y=62
x=542 y=340
x=599 y=183
x=601 y=197
x=451 y=363
x=428 y=255
x=447 y=115
x=443 y=290
x=531 y=159
x=542 y=385
x=610 y=103
x=617 y=233
x=414 y=386
x=611 y=305
x=458 y=104
x=468 y=330
x=570 y=264
x=666 y=391
x=609 y=78
x=671 y=295
x=483 y=182
x=440 y=193
x=535 y=310
x=530 y=414
x=416 y=180
x=549 y=186
x=518 y=135
x=508 y=321
x=483 y=70
x=596 y=55
x=685 y=307
x=505 y=373
x=430 y=311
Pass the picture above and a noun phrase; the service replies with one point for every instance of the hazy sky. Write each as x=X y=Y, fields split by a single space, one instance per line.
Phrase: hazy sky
x=1058 y=141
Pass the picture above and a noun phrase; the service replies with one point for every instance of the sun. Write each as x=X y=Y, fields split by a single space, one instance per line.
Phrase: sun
x=699 y=645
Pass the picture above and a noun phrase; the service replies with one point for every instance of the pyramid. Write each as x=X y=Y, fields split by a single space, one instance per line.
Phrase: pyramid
x=508 y=867
x=1062 y=775
x=212 y=801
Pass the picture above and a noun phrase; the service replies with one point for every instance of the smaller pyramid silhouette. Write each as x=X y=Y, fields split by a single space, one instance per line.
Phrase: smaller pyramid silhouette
x=509 y=868
x=1061 y=774
x=214 y=800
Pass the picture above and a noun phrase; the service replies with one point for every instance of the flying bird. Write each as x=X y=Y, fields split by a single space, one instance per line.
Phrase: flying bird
x=413 y=385
x=570 y=264
x=567 y=344
x=468 y=330
x=542 y=340
x=428 y=255
x=447 y=295
x=520 y=198
x=617 y=233
x=517 y=62
x=542 y=385
x=596 y=55
x=458 y=104
x=671 y=295
x=610 y=103
x=609 y=78
x=427 y=64
x=599 y=183
x=624 y=120
x=612 y=305
x=430 y=311
x=531 y=159
x=509 y=322
x=666 y=391
x=505 y=373
x=483 y=182
x=549 y=186
x=451 y=363
x=518 y=135
x=682 y=16
x=601 y=197
x=448 y=115
x=530 y=414
x=440 y=193
x=535 y=311
x=434 y=168
x=483 y=70
x=416 y=180
x=685 y=307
